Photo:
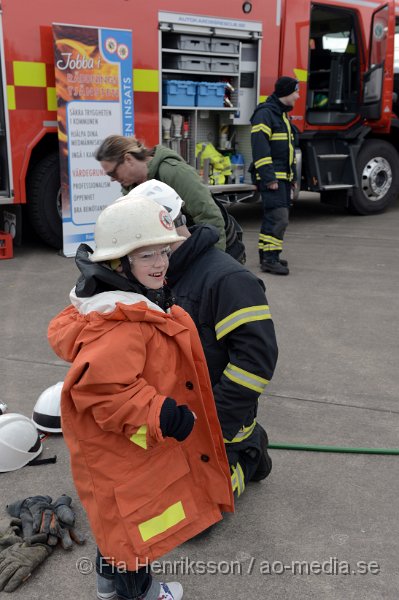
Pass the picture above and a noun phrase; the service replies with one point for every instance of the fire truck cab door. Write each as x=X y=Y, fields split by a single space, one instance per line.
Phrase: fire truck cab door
x=378 y=79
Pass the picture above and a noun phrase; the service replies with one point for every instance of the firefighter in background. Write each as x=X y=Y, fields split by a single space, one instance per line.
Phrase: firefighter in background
x=230 y=309
x=128 y=161
x=273 y=170
x=138 y=388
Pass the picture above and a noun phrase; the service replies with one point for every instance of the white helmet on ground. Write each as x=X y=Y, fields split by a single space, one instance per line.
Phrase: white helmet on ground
x=124 y=226
x=47 y=411
x=19 y=442
x=159 y=192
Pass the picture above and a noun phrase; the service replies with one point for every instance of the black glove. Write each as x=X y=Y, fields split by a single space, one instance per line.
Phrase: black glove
x=175 y=421
x=10 y=532
x=18 y=561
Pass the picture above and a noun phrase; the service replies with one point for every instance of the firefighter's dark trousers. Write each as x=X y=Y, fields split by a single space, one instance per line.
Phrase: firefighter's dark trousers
x=276 y=205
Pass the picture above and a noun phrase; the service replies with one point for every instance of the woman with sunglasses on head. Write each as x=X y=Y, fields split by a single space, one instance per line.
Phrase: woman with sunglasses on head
x=128 y=161
x=138 y=415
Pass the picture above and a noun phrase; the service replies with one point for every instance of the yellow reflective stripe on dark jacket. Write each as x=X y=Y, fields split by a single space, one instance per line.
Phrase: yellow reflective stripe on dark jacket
x=242 y=435
x=290 y=142
x=267 y=160
x=279 y=136
x=245 y=378
x=239 y=317
x=261 y=127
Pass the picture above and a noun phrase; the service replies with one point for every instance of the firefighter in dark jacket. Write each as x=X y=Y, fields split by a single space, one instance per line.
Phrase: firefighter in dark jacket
x=229 y=307
x=273 y=170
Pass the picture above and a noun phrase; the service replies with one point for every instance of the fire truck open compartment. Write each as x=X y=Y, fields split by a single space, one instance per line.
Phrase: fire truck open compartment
x=209 y=86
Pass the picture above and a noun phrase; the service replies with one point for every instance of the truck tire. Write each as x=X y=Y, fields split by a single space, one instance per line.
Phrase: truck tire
x=44 y=200
x=378 y=178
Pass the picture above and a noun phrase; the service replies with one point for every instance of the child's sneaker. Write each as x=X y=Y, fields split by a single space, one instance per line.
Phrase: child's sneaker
x=171 y=591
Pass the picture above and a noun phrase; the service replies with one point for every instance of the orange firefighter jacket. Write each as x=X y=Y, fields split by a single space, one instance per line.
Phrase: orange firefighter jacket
x=144 y=494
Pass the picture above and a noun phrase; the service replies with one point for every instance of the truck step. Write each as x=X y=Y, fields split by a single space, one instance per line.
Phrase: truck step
x=332 y=156
x=338 y=186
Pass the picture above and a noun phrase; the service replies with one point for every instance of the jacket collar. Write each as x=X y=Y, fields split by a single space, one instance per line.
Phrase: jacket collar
x=105 y=302
x=202 y=238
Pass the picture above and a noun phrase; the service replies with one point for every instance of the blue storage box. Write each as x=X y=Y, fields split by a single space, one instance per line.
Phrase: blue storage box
x=179 y=93
x=210 y=94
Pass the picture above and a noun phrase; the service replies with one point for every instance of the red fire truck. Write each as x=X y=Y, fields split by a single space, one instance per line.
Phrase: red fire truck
x=230 y=53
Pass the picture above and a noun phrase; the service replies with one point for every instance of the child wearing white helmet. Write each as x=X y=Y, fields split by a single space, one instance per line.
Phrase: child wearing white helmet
x=138 y=414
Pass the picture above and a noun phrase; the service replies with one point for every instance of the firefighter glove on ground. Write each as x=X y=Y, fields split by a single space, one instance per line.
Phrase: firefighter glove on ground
x=17 y=562
x=44 y=521
x=10 y=532
x=175 y=421
x=31 y=511
x=64 y=521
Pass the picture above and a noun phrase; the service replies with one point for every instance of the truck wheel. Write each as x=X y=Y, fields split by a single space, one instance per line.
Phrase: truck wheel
x=378 y=177
x=44 y=200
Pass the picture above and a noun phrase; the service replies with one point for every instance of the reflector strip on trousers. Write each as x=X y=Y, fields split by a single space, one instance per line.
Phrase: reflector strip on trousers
x=279 y=136
x=245 y=378
x=269 y=243
x=140 y=437
x=267 y=160
x=239 y=317
x=237 y=479
x=29 y=74
x=170 y=517
x=261 y=127
x=243 y=434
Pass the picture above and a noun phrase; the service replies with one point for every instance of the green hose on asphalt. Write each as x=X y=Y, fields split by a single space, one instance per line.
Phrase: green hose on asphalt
x=347 y=450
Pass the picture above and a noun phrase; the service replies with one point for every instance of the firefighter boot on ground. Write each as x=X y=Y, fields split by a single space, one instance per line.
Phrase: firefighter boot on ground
x=274 y=266
x=265 y=462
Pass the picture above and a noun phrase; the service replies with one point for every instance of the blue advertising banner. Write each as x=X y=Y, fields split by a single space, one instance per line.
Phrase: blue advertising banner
x=94 y=86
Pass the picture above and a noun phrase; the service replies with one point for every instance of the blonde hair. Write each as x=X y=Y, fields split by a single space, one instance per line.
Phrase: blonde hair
x=114 y=147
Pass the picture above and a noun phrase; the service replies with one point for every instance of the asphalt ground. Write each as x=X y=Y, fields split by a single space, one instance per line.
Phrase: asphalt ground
x=324 y=525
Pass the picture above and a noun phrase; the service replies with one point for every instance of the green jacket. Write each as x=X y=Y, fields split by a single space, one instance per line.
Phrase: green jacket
x=169 y=167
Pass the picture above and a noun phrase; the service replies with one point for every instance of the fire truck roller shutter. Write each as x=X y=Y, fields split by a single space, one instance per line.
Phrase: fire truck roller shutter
x=44 y=200
x=378 y=177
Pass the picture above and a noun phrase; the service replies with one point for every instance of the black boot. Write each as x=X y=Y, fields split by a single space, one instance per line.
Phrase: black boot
x=274 y=266
x=265 y=462
x=282 y=261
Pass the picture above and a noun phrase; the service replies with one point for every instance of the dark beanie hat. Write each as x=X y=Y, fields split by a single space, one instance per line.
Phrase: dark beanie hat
x=284 y=86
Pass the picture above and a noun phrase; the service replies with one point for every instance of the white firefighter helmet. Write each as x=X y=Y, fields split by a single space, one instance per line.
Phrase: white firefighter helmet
x=19 y=442
x=47 y=411
x=124 y=226
x=161 y=193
